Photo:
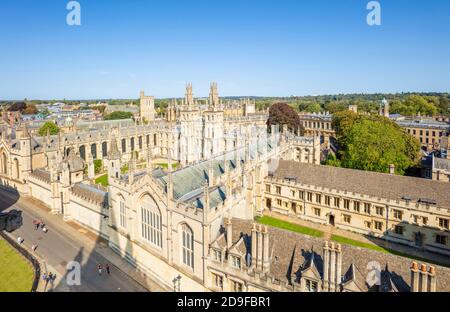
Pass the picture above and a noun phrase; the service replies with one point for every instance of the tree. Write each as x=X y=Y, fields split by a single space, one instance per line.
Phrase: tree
x=444 y=105
x=119 y=115
x=282 y=114
x=373 y=143
x=30 y=109
x=48 y=126
x=342 y=122
x=17 y=106
x=98 y=166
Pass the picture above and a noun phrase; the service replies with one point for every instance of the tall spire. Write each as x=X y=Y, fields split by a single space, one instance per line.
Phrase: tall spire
x=189 y=96
x=114 y=151
x=149 y=158
x=214 y=95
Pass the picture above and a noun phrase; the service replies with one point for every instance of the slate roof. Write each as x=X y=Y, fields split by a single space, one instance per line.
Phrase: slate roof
x=291 y=252
x=387 y=186
x=41 y=174
x=94 y=193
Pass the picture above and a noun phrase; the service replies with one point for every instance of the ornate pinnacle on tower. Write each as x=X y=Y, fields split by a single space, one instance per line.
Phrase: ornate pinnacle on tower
x=113 y=151
x=214 y=95
x=189 y=96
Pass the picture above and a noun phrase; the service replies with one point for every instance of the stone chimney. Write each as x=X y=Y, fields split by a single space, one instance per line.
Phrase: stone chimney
x=332 y=266
x=423 y=279
x=266 y=256
x=259 y=250
x=229 y=232
x=254 y=242
x=391 y=169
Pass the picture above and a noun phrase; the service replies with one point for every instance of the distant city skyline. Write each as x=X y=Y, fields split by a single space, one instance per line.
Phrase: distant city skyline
x=251 y=48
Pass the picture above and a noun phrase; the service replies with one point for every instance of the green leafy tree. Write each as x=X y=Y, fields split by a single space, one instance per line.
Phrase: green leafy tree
x=373 y=143
x=118 y=115
x=332 y=161
x=98 y=166
x=444 y=105
x=48 y=126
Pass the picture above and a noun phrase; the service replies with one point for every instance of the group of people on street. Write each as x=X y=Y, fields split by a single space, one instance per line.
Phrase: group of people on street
x=100 y=269
x=39 y=224
x=50 y=277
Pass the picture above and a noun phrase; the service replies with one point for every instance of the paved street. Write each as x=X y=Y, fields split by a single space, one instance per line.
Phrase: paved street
x=57 y=248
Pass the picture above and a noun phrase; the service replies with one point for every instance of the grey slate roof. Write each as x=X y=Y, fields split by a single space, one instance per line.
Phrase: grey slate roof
x=94 y=193
x=387 y=186
x=291 y=253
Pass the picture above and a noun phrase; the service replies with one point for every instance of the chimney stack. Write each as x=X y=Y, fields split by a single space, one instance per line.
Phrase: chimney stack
x=229 y=230
x=266 y=256
x=423 y=279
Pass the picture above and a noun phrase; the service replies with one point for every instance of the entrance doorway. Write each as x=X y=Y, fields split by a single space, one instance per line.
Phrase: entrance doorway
x=331 y=217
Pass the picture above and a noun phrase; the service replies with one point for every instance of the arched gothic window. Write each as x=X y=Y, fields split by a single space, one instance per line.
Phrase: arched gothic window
x=151 y=222
x=188 y=246
x=123 y=213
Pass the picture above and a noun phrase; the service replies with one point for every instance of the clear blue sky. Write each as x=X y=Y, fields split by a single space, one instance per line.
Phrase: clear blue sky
x=251 y=47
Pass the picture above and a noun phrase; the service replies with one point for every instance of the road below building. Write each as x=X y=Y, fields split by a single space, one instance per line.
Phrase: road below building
x=58 y=247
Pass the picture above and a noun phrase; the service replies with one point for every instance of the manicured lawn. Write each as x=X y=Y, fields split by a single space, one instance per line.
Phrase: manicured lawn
x=103 y=180
x=348 y=241
x=289 y=226
x=166 y=165
x=16 y=274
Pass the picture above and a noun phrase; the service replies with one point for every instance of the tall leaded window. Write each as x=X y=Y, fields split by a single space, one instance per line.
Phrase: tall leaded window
x=123 y=214
x=188 y=246
x=151 y=222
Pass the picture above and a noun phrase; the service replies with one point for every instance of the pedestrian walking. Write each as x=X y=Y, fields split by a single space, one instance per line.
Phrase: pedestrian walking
x=48 y=278
x=44 y=229
x=36 y=224
x=20 y=240
x=44 y=277
x=107 y=269
x=34 y=247
x=100 y=269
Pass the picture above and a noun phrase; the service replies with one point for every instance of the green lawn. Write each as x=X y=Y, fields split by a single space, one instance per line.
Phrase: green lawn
x=102 y=180
x=16 y=274
x=348 y=241
x=289 y=226
x=166 y=165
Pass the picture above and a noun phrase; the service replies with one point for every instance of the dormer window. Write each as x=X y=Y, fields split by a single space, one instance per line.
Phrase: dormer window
x=217 y=255
x=236 y=262
x=310 y=286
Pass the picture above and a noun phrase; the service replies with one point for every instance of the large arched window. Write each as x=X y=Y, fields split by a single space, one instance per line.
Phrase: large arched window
x=16 y=169
x=94 y=151
x=4 y=164
x=82 y=151
x=105 y=149
x=122 y=213
x=187 y=245
x=151 y=221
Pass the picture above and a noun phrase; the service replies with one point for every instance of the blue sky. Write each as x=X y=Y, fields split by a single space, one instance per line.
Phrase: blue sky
x=250 y=47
